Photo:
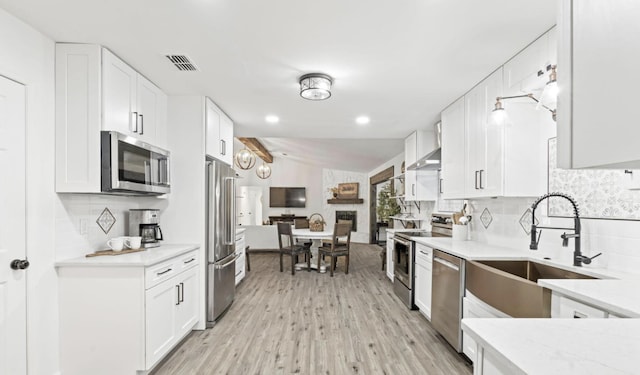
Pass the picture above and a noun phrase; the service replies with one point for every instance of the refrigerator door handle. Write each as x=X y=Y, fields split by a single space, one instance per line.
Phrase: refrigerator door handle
x=227 y=264
x=229 y=205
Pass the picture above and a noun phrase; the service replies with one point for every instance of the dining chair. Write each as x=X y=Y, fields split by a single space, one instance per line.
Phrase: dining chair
x=289 y=247
x=340 y=243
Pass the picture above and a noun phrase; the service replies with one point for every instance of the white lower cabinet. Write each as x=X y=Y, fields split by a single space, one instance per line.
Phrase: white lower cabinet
x=473 y=307
x=423 y=283
x=390 y=255
x=124 y=319
x=241 y=245
x=565 y=307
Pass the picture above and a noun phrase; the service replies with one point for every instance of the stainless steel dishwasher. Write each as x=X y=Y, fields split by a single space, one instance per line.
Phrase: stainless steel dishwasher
x=447 y=292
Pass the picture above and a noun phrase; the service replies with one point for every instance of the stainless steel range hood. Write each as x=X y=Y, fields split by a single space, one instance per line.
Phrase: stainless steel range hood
x=431 y=161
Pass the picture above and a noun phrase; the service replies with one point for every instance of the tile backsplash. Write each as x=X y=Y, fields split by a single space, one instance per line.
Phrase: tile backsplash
x=77 y=230
x=618 y=240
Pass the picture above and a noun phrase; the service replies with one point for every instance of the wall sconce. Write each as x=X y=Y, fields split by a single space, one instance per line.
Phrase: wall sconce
x=245 y=159
x=263 y=171
x=547 y=100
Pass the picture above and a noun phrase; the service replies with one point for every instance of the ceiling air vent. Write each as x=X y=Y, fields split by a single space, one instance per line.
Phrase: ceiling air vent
x=182 y=62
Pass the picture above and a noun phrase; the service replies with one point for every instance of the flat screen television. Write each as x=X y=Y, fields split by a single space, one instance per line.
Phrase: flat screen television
x=287 y=197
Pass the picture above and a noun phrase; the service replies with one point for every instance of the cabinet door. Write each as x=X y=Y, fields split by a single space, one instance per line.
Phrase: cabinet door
x=161 y=302
x=453 y=150
x=150 y=109
x=212 y=119
x=226 y=139
x=410 y=149
x=526 y=71
x=119 y=101
x=485 y=142
x=390 y=256
x=422 y=297
x=410 y=185
x=598 y=80
x=187 y=308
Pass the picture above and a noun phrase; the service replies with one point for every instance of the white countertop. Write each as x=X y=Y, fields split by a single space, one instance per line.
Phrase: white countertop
x=145 y=258
x=617 y=296
x=240 y=230
x=473 y=250
x=561 y=346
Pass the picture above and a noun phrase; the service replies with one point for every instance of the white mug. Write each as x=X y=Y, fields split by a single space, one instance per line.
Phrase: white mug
x=116 y=244
x=133 y=242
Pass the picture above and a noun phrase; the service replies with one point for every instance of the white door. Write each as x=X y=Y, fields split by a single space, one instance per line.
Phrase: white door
x=13 y=292
x=119 y=85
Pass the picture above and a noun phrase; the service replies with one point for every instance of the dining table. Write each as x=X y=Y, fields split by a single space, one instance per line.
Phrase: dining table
x=316 y=241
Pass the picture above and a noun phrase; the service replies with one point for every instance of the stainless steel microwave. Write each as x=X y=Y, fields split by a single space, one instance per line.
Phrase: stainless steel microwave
x=130 y=166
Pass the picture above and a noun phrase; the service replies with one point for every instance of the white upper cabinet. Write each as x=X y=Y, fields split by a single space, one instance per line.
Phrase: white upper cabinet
x=219 y=133
x=132 y=104
x=95 y=91
x=453 y=151
x=481 y=159
x=419 y=185
x=598 y=77
x=484 y=141
x=527 y=71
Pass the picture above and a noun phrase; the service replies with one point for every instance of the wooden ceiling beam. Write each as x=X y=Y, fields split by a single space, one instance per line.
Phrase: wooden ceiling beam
x=254 y=145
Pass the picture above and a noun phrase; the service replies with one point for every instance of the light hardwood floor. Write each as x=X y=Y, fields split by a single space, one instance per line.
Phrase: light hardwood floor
x=311 y=323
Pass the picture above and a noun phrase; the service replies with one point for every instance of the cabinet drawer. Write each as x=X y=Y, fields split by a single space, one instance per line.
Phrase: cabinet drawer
x=424 y=255
x=188 y=260
x=569 y=308
x=160 y=272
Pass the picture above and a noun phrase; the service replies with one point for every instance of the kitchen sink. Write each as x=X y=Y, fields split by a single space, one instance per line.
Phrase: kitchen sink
x=511 y=286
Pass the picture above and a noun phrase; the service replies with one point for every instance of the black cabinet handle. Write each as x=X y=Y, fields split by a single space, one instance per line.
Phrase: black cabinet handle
x=189 y=261
x=163 y=272
x=182 y=288
x=178 y=302
x=19 y=264
x=141 y=124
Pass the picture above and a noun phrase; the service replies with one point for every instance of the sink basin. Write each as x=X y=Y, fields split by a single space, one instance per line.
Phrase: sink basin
x=511 y=286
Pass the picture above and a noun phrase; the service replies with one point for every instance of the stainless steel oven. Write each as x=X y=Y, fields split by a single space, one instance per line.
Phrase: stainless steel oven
x=130 y=166
x=404 y=256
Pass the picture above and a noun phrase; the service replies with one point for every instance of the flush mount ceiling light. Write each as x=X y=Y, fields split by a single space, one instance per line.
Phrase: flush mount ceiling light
x=315 y=86
x=272 y=119
x=245 y=159
x=263 y=171
x=362 y=120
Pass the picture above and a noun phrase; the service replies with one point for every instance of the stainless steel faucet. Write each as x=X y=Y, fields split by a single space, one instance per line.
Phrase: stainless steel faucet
x=578 y=258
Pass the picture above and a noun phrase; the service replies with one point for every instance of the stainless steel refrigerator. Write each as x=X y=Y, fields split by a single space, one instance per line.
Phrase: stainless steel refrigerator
x=221 y=248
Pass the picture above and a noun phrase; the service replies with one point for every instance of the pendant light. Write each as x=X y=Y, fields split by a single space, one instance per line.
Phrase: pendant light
x=263 y=171
x=245 y=159
x=499 y=117
x=315 y=86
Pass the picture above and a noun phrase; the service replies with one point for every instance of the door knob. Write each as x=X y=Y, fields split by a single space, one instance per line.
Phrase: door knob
x=18 y=264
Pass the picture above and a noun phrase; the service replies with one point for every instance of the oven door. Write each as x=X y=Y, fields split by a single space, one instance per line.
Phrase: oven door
x=130 y=165
x=402 y=263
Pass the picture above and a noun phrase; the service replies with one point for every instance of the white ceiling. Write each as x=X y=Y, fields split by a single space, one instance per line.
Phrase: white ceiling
x=399 y=62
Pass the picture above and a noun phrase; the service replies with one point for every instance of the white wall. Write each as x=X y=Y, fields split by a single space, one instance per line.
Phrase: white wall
x=289 y=173
x=331 y=178
x=28 y=57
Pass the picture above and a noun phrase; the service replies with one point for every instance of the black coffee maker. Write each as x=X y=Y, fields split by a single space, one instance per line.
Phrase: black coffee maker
x=146 y=224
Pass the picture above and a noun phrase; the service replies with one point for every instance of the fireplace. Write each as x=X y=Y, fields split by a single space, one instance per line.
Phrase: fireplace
x=348 y=215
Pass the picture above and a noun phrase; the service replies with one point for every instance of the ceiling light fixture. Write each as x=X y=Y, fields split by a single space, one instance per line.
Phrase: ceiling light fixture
x=272 y=119
x=263 y=171
x=362 y=120
x=315 y=86
x=245 y=159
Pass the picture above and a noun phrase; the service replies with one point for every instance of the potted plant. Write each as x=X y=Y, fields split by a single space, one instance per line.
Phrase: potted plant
x=387 y=205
